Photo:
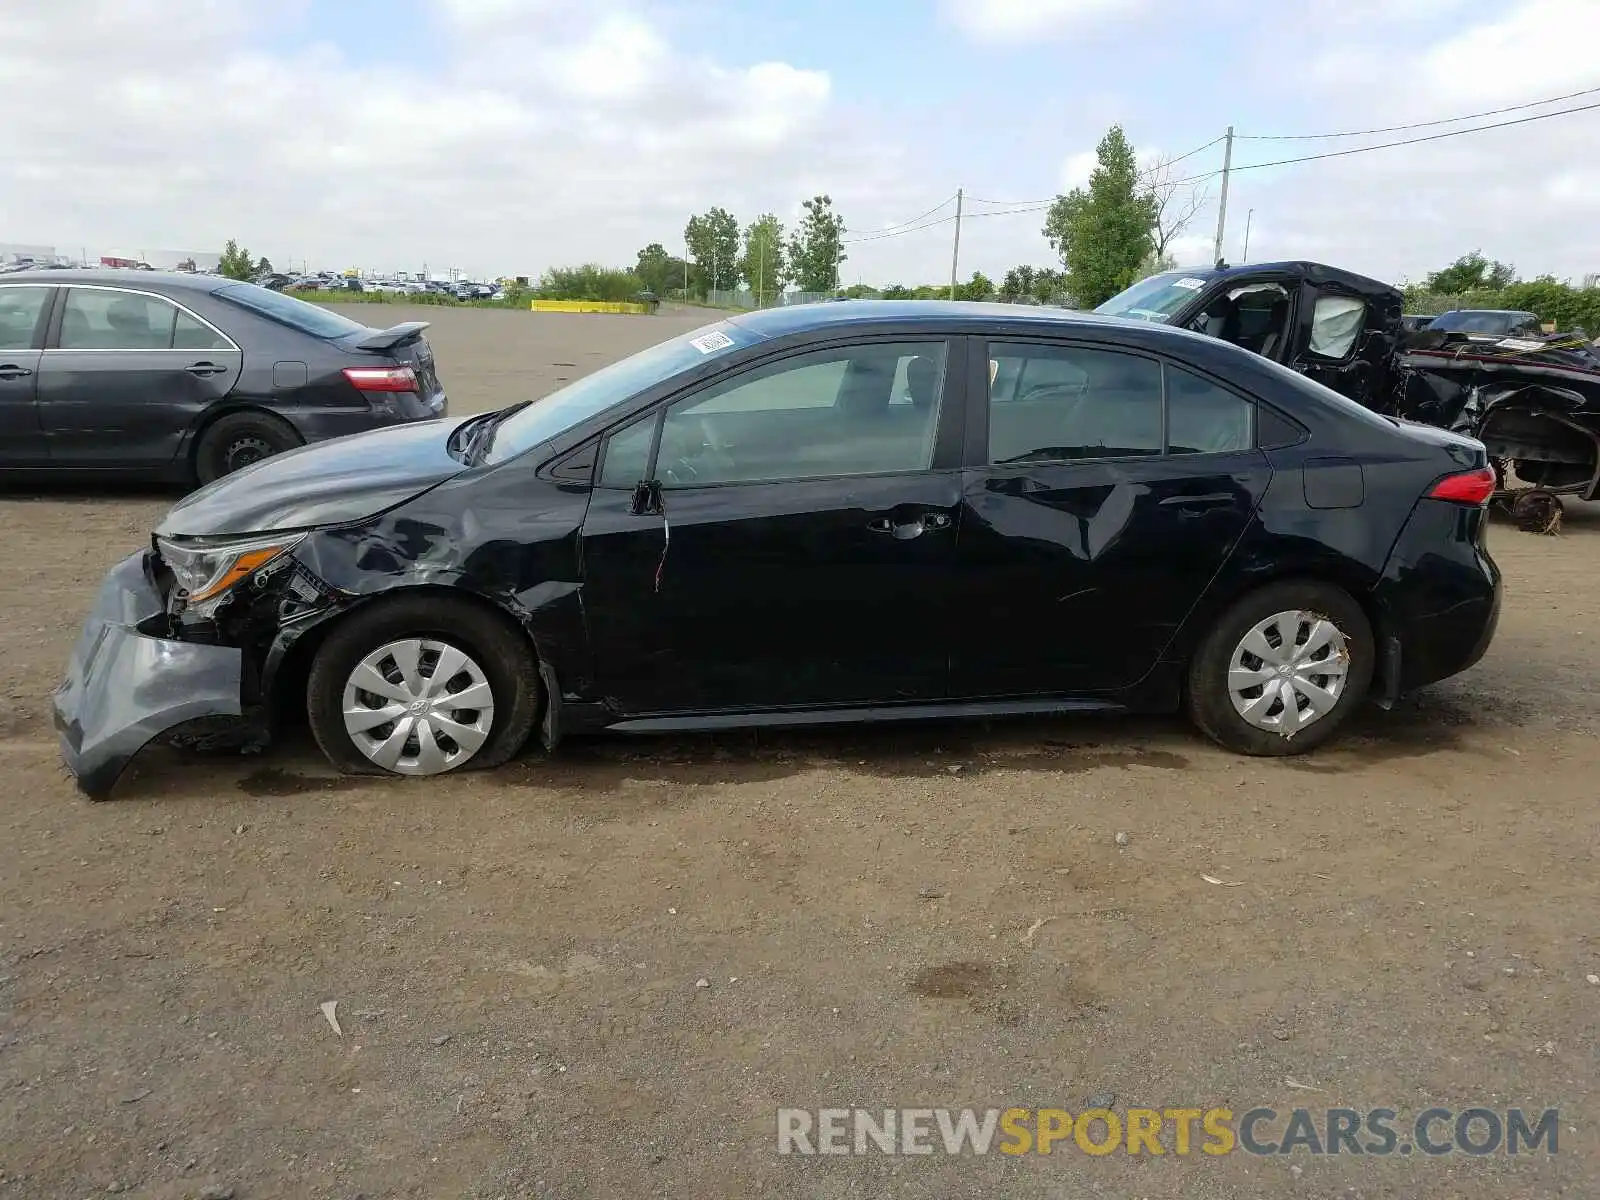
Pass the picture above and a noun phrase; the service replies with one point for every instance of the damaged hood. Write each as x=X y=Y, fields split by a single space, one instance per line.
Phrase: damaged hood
x=328 y=483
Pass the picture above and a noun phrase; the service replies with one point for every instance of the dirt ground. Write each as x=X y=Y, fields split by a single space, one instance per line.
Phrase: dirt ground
x=939 y=916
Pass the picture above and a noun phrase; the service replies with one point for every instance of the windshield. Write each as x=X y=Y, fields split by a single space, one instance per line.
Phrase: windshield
x=1155 y=298
x=593 y=394
x=286 y=310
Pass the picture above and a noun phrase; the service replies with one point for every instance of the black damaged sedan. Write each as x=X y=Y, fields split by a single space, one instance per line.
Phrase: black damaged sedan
x=843 y=512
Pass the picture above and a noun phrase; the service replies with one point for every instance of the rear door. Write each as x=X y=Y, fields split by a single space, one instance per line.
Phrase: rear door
x=124 y=375
x=24 y=312
x=797 y=543
x=1104 y=491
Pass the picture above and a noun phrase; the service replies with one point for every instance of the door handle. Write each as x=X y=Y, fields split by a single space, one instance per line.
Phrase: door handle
x=1208 y=500
x=204 y=368
x=12 y=371
x=903 y=531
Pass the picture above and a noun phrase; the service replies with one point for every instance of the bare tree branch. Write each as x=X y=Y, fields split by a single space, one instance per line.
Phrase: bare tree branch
x=1175 y=204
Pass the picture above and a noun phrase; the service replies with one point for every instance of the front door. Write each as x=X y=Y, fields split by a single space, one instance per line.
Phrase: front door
x=23 y=312
x=795 y=546
x=1112 y=489
x=126 y=376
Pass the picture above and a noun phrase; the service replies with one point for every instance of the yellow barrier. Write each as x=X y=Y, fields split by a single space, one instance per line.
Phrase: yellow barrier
x=588 y=306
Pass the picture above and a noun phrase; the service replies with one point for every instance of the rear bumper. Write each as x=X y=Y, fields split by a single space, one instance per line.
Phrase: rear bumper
x=125 y=687
x=1440 y=593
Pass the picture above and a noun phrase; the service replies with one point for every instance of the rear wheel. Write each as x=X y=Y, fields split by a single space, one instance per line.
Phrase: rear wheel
x=239 y=439
x=1282 y=669
x=422 y=686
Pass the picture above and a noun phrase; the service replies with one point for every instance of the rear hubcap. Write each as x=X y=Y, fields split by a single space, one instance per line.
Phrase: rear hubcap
x=1288 y=672
x=418 y=707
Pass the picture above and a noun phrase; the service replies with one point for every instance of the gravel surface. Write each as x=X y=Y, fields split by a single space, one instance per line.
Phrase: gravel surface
x=601 y=974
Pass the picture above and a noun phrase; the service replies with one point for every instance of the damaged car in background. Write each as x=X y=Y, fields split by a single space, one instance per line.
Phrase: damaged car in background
x=863 y=511
x=1532 y=398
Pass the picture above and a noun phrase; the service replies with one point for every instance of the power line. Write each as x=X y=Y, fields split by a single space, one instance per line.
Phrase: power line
x=888 y=230
x=896 y=232
x=1027 y=205
x=1017 y=208
x=1492 y=112
x=1432 y=137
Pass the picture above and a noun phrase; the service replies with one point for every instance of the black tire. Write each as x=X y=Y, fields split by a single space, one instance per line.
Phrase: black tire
x=239 y=439
x=504 y=654
x=1209 y=701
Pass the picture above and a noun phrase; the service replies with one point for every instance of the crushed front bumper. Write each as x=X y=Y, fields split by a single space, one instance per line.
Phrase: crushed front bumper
x=125 y=687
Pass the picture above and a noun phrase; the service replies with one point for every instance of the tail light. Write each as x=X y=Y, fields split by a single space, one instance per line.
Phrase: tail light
x=1469 y=487
x=382 y=379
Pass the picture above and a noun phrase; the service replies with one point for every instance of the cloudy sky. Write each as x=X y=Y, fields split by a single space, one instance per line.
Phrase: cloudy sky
x=503 y=136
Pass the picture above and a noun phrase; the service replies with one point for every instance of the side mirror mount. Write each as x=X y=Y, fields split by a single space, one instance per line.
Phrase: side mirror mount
x=646 y=498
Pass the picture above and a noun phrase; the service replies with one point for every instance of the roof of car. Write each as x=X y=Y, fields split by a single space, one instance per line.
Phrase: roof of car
x=1315 y=272
x=125 y=276
x=1491 y=312
x=800 y=318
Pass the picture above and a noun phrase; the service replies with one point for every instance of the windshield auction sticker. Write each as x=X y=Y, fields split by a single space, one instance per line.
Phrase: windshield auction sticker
x=708 y=343
x=1189 y=282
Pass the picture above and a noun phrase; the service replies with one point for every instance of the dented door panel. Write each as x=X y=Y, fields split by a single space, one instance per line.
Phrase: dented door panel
x=1075 y=576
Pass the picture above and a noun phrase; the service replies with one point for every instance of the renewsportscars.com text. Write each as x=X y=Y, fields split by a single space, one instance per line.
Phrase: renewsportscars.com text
x=1215 y=1131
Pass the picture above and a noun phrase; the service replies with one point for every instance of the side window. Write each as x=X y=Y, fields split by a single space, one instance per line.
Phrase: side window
x=854 y=410
x=1066 y=402
x=1336 y=322
x=189 y=334
x=1203 y=418
x=112 y=320
x=20 y=308
x=627 y=454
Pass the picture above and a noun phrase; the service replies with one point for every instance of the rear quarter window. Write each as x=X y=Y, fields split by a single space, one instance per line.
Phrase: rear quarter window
x=286 y=310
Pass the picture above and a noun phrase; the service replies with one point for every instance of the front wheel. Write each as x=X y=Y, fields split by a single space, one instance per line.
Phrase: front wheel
x=1282 y=669
x=422 y=686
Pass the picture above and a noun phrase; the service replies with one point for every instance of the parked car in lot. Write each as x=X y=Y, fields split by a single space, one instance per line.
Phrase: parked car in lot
x=826 y=513
x=188 y=377
x=1490 y=322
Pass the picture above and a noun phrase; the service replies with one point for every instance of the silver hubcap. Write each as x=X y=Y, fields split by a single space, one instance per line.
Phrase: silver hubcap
x=418 y=707
x=1288 y=672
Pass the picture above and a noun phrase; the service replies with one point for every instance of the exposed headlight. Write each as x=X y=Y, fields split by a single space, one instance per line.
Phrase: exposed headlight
x=207 y=570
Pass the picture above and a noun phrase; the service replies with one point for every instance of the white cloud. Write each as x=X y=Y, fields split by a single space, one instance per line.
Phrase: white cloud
x=1076 y=170
x=1524 y=194
x=1019 y=20
x=547 y=133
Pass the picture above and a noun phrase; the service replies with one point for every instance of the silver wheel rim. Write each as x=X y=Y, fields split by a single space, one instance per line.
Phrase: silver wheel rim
x=418 y=707
x=1288 y=672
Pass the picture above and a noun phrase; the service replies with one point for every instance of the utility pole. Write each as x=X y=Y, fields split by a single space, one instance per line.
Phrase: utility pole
x=1222 y=207
x=955 y=250
x=1248 y=217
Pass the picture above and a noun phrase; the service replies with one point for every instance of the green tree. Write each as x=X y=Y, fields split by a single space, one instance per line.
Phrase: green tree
x=236 y=262
x=764 y=266
x=1103 y=233
x=816 y=249
x=898 y=291
x=1470 y=272
x=263 y=265
x=713 y=239
x=591 y=281
x=659 y=271
x=862 y=291
x=979 y=287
